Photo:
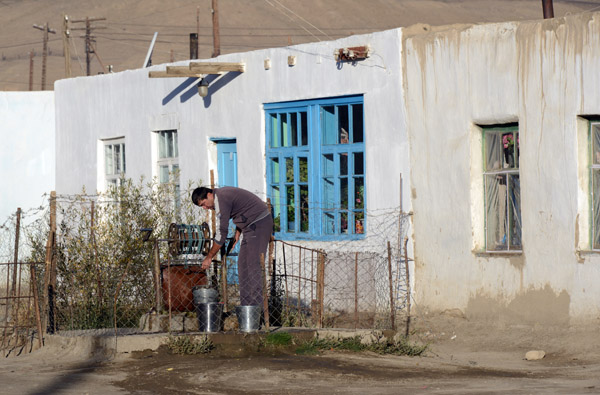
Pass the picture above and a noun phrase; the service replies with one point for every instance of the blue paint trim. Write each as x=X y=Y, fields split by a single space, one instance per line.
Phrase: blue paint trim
x=314 y=152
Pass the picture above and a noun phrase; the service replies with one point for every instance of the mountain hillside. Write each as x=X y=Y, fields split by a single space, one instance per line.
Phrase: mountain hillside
x=122 y=39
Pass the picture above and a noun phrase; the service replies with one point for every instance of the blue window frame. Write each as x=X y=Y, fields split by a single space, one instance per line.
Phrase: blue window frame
x=316 y=168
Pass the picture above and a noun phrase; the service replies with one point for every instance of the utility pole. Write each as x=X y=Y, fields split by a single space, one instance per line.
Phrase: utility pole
x=66 y=46
x=198 y=29
x=31 y=70
x=89 y=39
x=215 y=21
x=46 y=30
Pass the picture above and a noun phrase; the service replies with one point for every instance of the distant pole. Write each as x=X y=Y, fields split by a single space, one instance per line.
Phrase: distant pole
x=44 y=56
x=193 y=46
x=66 y=47
x=548 y=9
x=89 y=49
x=87 y=46
x=197 y=29
x=31 y=70
x=216 y=38
x=46 y=30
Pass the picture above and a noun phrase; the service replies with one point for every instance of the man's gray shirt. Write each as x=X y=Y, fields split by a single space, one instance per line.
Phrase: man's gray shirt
x=244 y=207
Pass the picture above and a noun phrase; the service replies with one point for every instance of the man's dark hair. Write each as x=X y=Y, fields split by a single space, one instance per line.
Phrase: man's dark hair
x=200 y=194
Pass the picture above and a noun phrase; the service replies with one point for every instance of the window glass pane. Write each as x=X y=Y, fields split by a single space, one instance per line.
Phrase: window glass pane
x=514 y=220
x=328 y=193
x=276 y=205
x=291 y=209
x=496 y=212
x=596 y=208
x=344 y=164
x=359 y=192
x=359 y=167
x=117 y=157
x=596 y=144
x=285 y=138
x=344 y=137
x=303 y=208
x=170 y=145
x=329 y=223
x=294 y=128
x=162 y=145
x=344 y=193
x=328 y=125
x=123 y=157
x=163 y=174
x=304 y=128
x=344 y=222
x=275 y=170
x=108 y=160
x=275 y=142
x=289 y=169
x=359 y=222
x=328 y=169
x=175 y=146
x=357 y=123
x=303 y=167
x=510 y=145
x=494 y=152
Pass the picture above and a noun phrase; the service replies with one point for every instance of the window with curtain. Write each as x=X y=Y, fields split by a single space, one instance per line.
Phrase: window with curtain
x=502 y=186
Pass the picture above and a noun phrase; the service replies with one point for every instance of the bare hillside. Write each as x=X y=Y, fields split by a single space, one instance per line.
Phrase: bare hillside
x=122 y=40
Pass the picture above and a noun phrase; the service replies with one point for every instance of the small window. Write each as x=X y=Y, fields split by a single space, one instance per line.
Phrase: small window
x=168 y=160
x=114 y=162
x=502 y=186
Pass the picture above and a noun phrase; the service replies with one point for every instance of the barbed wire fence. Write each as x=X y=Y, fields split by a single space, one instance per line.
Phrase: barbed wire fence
x=109 y=274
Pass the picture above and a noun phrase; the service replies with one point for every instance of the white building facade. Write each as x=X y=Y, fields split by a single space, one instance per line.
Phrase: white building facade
x=481 y=130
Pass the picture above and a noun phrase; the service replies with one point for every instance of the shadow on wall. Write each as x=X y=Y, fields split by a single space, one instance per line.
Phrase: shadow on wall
x=535 y=306
x=189 y=87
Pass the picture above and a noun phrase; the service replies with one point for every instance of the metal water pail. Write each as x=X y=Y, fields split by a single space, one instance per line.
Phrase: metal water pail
x=248 y=317
x=204 y=294
x=210 y=317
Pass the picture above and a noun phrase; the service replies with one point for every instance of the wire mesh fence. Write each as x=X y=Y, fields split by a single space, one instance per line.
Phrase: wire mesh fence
x=130 y=260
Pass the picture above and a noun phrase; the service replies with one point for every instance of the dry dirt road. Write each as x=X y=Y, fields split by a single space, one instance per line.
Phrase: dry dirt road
x=463 y=359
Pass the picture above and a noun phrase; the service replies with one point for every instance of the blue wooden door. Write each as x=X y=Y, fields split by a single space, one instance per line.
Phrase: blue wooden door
x=227 y=173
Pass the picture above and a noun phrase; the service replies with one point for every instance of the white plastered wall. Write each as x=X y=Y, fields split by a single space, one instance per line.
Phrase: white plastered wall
x=543 y=75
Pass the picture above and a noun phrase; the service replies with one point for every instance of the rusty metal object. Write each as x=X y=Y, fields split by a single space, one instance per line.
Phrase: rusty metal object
x=177 y=283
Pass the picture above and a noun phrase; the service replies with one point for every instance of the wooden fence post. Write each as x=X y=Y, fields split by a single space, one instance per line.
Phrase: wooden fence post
x=264 y=288
x=321 y=286
x=392 y=307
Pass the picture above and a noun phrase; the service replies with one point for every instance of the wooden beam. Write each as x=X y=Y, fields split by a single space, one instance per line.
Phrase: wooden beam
x=217 y=67
x=164 y=74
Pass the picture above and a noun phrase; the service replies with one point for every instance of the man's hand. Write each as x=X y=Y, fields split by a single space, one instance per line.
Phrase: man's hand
x=208 y=260
x=236 y=238
x=206 y=263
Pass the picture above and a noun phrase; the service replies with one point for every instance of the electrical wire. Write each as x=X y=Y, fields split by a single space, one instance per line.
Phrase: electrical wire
x=304 y=20
x=305 y=29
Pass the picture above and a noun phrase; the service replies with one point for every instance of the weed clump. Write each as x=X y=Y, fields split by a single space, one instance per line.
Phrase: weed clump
x=380 y=345
x=187 y=345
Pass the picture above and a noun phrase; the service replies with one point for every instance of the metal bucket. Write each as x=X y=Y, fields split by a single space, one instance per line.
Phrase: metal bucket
x=248 y=317
x=204 y=294
x=210 y=317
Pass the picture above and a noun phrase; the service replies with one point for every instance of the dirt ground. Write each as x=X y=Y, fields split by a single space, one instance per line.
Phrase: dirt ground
x=463 y=358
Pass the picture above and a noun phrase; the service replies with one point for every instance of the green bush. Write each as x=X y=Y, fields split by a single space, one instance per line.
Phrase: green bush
x=104 y=267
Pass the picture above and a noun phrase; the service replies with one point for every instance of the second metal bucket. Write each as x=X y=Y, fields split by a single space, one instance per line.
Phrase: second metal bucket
x=210 y=317
x=248 y=317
